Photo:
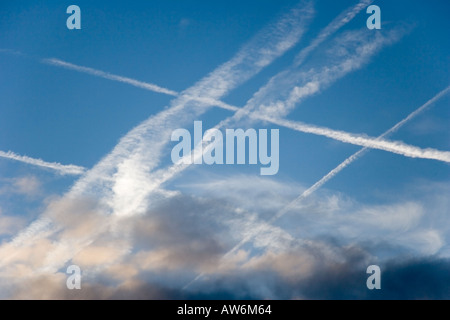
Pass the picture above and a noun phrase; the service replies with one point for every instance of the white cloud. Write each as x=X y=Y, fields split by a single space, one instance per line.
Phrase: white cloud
x=9 y=225
x=29 y=185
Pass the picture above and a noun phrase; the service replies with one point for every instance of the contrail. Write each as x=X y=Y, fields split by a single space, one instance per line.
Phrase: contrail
x=136 y=83
x=374 y=143
x=360 y=140
x=60 y=168
x=109 y=76
x=260 y=52
x=297 y=94
x=330 y=175
x=348 y=53
x=334 y=26
x=139 y=152
x=321 y=78
x=379 y=143
x=340 y=21
x=365 y=141
x=355 y=157
x=314 y=80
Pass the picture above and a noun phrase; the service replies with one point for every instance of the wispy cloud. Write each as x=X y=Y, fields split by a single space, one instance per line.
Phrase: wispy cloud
x=316 y=186
x=58 y=167
x=347 y=53
x=118 y=221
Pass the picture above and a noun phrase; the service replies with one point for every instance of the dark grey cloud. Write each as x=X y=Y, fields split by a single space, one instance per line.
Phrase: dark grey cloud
x=415 y=279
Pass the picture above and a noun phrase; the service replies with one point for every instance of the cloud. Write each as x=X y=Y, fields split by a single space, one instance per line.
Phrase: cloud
x=398 y=225
x=430 y=241
x=27 y=185
x=9 y=225
x=412 y=279
x=133 y=239
x=121 y=183
x=322 y=247
x=184 y=23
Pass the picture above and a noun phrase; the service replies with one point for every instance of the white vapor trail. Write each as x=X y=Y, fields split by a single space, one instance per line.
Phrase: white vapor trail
x=379 y=143
x=365 y=141
x=355 y=157
x=330 y=175
x=60 y=168
x=357 y=48
x=121 y=180
x=349 y=52
x=340 y=21
x=315 y=80
x=140 y=151
x=109 y=76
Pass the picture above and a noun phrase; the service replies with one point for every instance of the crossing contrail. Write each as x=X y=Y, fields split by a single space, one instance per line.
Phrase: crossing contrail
x=330 y=175
x=121 y=181
x=354 y=157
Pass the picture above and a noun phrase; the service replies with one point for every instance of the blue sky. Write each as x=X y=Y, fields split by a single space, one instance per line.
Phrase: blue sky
x=389 y=207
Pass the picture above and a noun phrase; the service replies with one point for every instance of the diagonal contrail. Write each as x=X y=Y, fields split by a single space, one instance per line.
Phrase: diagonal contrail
x=342 y=136
x=330 y=175
x=60 y=168
x=397 y=147
x=109 y=76
x=297 y=94
x=140 y=151
x=340 y=21
x=315 y=79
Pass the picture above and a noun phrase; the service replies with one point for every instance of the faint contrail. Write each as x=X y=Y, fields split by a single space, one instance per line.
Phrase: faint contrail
x=60 y=168
x=341 y=20
x=330 y=175
x=109 y=76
